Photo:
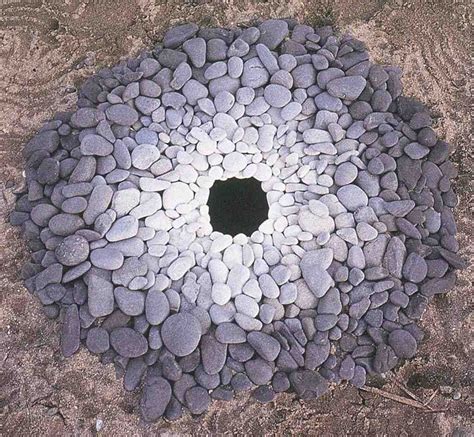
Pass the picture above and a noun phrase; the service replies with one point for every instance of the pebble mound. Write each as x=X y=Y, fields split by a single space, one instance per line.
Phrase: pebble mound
x=360 y=232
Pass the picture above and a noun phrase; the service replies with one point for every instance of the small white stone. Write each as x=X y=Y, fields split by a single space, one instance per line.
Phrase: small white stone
x=234 y=162
x=206 y=148
x=249 y=171
x=318 y=208
x=144 y=155
x=248 y=256
x=184 y=157
x=178 y=268
x=218 y=271
x=314 y=224
x=238 y=276
x=159 y=221
x=176 y=194
x=220 y=243
x=252 y=289
x=246 y=305
x=267 y=227
x=152 y=184
x=323 y=238
x=240 y=239
x=248 y=323
x=221 y=293
x=232 y=256
x=124 y=201
x=263 y=173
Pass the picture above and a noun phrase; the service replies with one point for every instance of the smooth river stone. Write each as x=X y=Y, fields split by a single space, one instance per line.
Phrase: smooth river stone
x=313 y=267
x=352 y=197
x=181 y=334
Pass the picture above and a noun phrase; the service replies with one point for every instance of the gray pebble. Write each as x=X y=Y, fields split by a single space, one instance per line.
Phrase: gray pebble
x=72 y=251
x=181 y=333
x=121 y=114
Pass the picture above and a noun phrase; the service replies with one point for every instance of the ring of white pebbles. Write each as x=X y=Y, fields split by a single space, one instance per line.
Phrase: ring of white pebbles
x=360 y=231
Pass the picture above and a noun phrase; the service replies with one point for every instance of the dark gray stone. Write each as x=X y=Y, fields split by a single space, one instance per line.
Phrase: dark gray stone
x=70 y=331
x=128 y=342
x=181 y=333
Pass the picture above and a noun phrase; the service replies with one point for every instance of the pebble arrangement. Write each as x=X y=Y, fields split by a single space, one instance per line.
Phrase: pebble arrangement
x=360 y=232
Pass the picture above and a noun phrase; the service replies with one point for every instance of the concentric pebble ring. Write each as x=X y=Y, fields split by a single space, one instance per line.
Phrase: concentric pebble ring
x=328 y=287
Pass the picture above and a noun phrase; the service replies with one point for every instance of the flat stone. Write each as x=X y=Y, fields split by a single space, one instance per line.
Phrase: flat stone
x=72 y=251
x=346 y=371
x=272 y=33
x=313 y=267
x=394 y=257
x=124 y=228
x=309 y=222
x=304 y=76
x=268 y=286
x=403 y=343
x=346 y=88
x=157 y=307
x=308 y=384
x=265 y=345
x=121 y=114
x=330 y=303
x=264 y=394
x=352 y=197
x=181 y=333
x=312 y=136
x=144 y=155
x=48 y=171
x=65 y=224
x=97 y=340
x=155 y=398
x=399 y=208
x=178 y=268
x=316 y=354
x=230 y=333
x=176 y=194
x=96 y=145
x=123 y=201
x=196 y=50
x=234 y=162
x=176 y=36
x=346 y=173
x=255 y=75
x=128 y=342
x=98 y=203
x=259 y=371
x=213 y=354
x=70 y=331
x=107 y=258
x=50 y=275
x=415 y=268
x=276 y=95
x=197 y=400
x=100 y=296
x=246 y=305
x=130 y=302
x=221 y=293
x=42 y=213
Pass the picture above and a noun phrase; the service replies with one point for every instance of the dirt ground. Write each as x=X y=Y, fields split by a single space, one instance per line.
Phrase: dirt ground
x=48 y=48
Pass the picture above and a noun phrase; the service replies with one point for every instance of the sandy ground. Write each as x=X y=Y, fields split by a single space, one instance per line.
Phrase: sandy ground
x=49 y=47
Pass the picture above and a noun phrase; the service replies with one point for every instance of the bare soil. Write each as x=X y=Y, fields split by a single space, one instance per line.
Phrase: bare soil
x=49 y=46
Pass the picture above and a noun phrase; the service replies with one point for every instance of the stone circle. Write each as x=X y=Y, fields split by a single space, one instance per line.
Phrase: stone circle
x=360 y=232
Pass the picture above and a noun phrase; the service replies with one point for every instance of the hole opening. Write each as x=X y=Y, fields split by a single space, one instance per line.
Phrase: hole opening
x=237 y=206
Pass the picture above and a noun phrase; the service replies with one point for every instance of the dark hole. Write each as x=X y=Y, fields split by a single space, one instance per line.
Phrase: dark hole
x=237 y=206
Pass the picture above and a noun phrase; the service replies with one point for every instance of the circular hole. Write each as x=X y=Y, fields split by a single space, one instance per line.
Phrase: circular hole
x=237 y=206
